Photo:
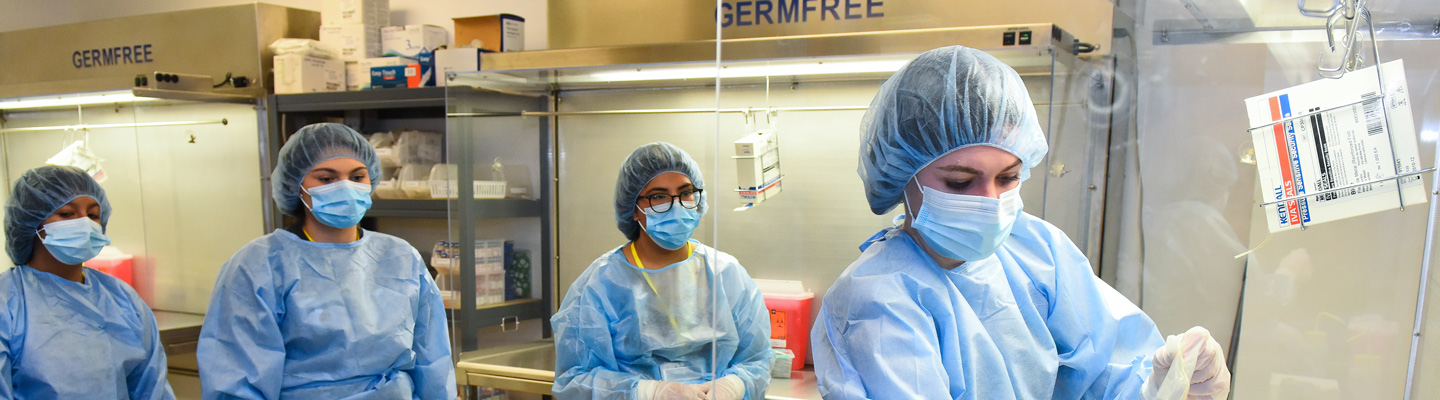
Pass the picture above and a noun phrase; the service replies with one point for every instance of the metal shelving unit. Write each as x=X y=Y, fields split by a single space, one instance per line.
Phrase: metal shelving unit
x=287 y=113
x=439 y=209
x=362 y=100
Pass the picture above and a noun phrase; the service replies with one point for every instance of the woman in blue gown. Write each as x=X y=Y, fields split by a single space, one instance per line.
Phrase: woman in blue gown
x=68 y=331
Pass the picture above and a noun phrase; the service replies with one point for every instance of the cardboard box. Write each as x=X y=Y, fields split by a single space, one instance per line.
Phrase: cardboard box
x=411 y=40
x=756 y=143
x=346 y=12
x=419 y=73
x=355 y=42
x=357 y=74
x=299 y=73
x=455 y=60
x=498 y=33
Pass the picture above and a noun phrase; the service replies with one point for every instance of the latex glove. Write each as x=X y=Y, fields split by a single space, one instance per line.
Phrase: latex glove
x=728 y=388
x=666 y=390
x=1208 y=380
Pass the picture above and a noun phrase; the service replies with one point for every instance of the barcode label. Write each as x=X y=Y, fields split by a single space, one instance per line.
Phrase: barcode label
x=1374 y=121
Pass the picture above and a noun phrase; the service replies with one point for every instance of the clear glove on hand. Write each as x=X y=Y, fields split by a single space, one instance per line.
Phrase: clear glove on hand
x=1198 y=365
x=666 y=390
x=728 y=388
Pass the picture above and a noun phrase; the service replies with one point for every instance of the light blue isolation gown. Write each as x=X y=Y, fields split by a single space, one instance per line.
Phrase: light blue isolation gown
x=1030 y=322
x=294 y=319
x=614 y=328
x=62 y=339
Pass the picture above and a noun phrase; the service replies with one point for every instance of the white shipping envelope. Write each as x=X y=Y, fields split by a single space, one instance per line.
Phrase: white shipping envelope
x=1346 y=143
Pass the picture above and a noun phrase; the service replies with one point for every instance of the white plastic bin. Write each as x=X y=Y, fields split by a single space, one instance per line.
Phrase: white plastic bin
x=444 y=184
x=414 y=180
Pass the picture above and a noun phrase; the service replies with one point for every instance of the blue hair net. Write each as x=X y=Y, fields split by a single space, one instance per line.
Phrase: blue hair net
x=312 y=145
x=37 y=194
x=943 y=100
x=643 y=165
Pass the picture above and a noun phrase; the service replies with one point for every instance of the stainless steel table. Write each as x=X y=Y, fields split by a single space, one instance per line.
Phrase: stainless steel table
x=179 y=331
x=529 y=367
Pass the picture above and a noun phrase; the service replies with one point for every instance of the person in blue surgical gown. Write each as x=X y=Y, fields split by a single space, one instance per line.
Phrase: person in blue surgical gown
x=637 y=324
x=324 y=309
x=68 y=331
x=970 y=297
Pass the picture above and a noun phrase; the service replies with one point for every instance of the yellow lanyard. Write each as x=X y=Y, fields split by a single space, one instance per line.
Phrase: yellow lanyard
x=357 y=236
x=646 y=275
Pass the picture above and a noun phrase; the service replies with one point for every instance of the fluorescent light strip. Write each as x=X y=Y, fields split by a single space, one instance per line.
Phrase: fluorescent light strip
x=751 y=71
x=78 y=100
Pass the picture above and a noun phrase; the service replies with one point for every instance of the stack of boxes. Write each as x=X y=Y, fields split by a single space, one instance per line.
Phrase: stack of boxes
x=370 y=53
x=413 y=49
x=475 y=35
x=304 y=66
x=352 y=27
x=490 y=259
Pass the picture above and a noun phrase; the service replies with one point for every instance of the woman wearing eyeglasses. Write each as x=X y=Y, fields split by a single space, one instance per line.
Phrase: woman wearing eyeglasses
x=637 y=324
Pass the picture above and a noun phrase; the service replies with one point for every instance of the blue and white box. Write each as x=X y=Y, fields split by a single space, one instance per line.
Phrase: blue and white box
x=411 y=40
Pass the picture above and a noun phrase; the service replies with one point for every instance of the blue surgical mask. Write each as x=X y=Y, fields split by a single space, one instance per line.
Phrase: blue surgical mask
x=339 y=204
x=74 y=241
x=670 y=229
x=964 y=227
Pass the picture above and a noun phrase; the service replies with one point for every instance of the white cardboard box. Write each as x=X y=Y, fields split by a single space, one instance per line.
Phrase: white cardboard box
x=356 y=78
x=343 y=12
x=355 y=42
x=411 y=40
x=298 y=73
x=455 y=60
x=756 y=143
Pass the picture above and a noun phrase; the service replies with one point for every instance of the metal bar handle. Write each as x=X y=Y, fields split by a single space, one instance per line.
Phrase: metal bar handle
x=1334 y=6
x=1379 y=97
x=1350 y=186
x=81 y=127
x=747 y=111
x=1424 y=277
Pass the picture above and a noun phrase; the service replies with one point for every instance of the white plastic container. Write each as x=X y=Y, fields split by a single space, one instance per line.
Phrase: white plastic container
x=444 y=184
x=418 y=147
x=414 y=181
x=387 y=186
x=389 y=189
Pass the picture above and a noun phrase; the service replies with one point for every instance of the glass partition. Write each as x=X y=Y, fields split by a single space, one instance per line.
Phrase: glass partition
x=1324 y=312
x=199 y=180
x=496 y=259
x=181 y=178
x=1151 y=173
x=810 y=225
x=566 y=144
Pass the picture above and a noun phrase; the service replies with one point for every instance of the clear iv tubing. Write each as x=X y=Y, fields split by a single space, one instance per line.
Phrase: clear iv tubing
x=715 y=220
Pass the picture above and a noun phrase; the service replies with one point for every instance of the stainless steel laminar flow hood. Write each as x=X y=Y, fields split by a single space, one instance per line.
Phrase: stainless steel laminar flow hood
x=801 y=58
x=107 y=55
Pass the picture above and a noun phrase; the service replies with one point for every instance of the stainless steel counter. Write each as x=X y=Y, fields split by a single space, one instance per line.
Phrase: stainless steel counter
x=179 y=332
x=529 y=367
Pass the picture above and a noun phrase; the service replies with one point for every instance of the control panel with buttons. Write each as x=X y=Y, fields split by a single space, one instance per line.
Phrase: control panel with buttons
x=1017 y=38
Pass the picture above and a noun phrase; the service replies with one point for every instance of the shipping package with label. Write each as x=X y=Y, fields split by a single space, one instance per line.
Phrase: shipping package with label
x=1331 y=137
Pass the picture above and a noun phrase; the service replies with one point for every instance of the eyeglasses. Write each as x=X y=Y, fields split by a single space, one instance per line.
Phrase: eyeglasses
x=662 y=202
